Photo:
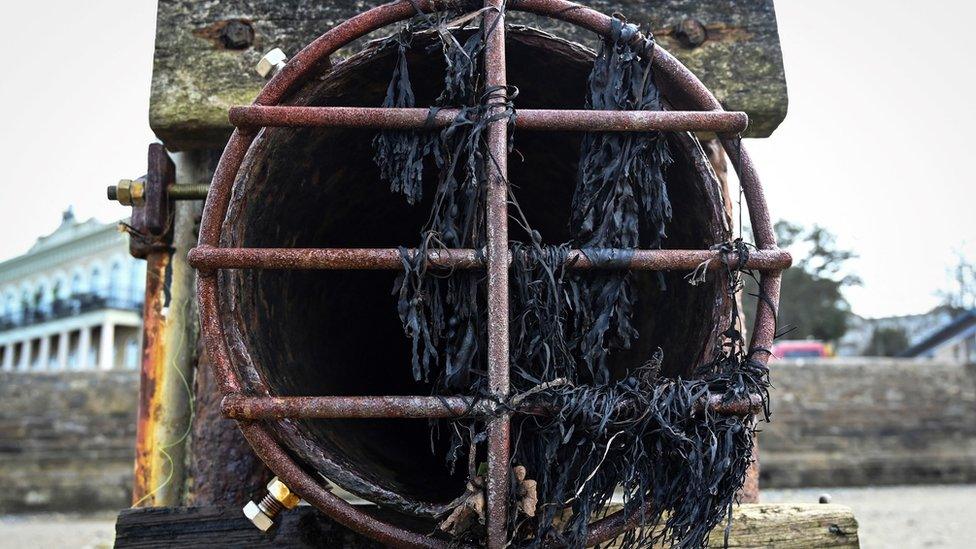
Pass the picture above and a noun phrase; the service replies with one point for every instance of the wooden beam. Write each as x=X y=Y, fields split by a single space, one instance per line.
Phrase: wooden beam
x=206 y=52
x=785 y=525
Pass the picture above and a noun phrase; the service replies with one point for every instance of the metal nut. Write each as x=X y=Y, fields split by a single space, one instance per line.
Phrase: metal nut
x=278 y=498
x=128 y=192
x=271 y=63
x=283 y=494
x=258 y=517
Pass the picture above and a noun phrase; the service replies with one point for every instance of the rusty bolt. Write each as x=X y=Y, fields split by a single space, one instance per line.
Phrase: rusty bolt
x=237 y=35
x=278 y=498
x=271 y=63
x=690 y=32
x=127 y=192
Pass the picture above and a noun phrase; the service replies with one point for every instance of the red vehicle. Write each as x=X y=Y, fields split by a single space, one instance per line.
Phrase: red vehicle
x=801 y=349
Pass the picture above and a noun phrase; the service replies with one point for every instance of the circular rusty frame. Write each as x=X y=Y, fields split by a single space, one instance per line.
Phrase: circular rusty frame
x=683 y=90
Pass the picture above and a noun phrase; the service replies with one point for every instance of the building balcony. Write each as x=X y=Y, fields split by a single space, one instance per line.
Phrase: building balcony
x=64 y=308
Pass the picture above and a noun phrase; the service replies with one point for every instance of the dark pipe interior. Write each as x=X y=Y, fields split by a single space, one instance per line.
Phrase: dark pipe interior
x=337 y=333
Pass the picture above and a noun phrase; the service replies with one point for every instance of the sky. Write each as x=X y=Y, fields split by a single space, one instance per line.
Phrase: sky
x=874 y=147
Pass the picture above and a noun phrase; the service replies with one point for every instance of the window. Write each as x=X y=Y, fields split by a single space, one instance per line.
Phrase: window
x=96 y=285
x=116 y=287
x=131 y=354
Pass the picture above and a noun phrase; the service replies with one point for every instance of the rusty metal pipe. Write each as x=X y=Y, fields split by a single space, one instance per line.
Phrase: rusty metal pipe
x=149 y=470
x=528 y=119
x=169 y=346
x=204 y=257
x=311 y=490
x=496 y=220
x=370 y=407
x=676 y=82
x=208 y=258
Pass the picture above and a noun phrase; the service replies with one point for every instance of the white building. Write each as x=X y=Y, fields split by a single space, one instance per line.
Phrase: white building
x=72 y=302
x=915 y=327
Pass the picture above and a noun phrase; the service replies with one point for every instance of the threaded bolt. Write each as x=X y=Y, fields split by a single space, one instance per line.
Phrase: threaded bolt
x=270 y=506
x=263 y=513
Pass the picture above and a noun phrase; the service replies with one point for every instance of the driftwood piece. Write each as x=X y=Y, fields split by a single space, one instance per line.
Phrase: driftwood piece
x=791 y=525
x=206 y=52
x=785 y=525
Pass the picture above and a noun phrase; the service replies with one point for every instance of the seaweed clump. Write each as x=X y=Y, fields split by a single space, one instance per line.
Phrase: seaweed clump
x=653 y=438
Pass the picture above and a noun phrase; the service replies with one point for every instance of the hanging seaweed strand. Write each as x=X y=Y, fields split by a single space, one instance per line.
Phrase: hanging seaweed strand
x=443 y=315
x=620 y=201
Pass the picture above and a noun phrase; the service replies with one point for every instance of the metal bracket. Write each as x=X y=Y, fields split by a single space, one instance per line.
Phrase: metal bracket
x=150 y=226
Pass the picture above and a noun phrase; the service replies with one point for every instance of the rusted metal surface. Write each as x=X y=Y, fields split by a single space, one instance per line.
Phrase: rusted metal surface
x=222 y=468
x=496 y=167
x=165 y=382
x=365 y=407
x=160 y=175
x=750 y=487
x=632 y=121
x=158 y=477
x=526 y=119
x=311 y=490
x=150 y=224
x=208 y=258
x=323 y=258
x=683 y=90
x=170 y=337
x=149 y=473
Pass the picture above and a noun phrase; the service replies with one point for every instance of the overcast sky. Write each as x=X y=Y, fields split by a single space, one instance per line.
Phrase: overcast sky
x=875 y=147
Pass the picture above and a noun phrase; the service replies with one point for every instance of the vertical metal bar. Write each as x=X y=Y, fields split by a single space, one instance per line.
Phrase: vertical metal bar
x=497 y=230
x=169 y=343
x=149 y=474
x=169 y=339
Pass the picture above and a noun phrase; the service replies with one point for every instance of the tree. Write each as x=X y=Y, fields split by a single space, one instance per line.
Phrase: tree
x=811 y=302
x=887 y=342
x=961 y=294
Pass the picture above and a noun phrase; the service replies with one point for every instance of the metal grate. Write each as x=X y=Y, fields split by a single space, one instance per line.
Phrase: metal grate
x=678 y=84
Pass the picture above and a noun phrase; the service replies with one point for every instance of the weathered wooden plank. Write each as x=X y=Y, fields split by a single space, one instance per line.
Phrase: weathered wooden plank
x=791 y=526
x=205 y=54
x=788 y=526
x=212 y=527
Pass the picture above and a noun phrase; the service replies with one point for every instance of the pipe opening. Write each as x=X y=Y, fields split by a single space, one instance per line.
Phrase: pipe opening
x=295 y=333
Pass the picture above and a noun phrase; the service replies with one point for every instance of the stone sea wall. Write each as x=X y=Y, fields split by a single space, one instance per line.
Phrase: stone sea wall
x=67 y=439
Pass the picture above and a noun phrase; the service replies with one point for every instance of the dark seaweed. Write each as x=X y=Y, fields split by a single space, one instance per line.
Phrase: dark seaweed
x=621 y=200
x=679 y=465
x=444 y=315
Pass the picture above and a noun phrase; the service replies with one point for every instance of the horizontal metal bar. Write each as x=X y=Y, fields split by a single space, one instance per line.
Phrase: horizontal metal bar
x=674 y=260
x=527 y=119
x=323 y=258
x=205 y=257
x=372 y=407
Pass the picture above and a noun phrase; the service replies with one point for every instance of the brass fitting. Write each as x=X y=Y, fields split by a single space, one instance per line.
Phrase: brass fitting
x=278 y=498
x=128 y=192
